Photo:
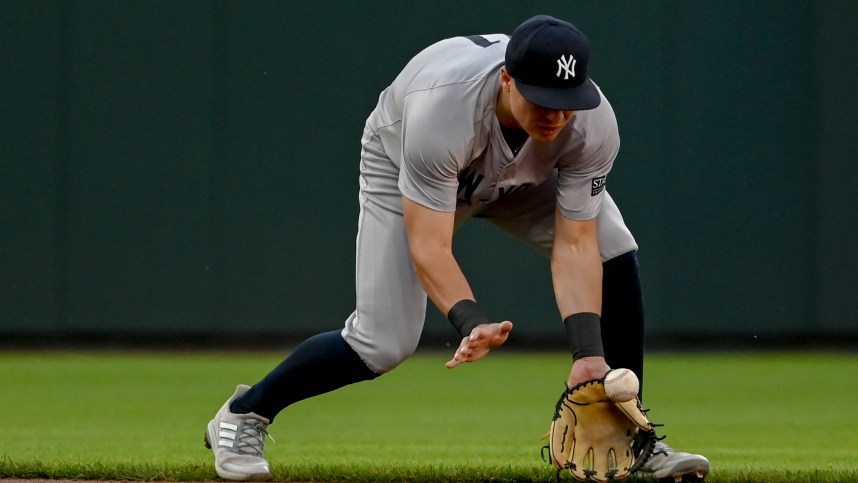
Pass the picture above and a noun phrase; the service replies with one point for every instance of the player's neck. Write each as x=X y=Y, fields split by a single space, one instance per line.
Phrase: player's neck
x=504 y=113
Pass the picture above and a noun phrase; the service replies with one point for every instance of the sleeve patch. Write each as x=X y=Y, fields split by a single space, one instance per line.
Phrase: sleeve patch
x=598 y=185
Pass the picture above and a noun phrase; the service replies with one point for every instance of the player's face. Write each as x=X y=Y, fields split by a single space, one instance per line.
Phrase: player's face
x=542 y=124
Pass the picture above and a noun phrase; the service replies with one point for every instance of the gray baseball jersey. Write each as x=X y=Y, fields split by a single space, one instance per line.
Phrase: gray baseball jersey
x=434 y=137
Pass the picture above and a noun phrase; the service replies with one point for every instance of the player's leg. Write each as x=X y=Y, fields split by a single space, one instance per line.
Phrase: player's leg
x=623 y=320
x=384 y=330
x=391 y=303
x=237 y=433
x=318 y=365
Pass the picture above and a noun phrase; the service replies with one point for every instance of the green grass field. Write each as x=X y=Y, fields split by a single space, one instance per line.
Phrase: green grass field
x=141 y=416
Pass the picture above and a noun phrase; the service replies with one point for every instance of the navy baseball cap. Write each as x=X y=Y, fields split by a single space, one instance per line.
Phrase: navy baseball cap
x=548 y=59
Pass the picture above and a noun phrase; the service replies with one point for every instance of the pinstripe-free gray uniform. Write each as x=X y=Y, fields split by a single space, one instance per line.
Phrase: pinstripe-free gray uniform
x=434 y=137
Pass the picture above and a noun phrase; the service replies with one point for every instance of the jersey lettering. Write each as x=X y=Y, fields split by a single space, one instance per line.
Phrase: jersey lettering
x=468 y=182
x=503 y=192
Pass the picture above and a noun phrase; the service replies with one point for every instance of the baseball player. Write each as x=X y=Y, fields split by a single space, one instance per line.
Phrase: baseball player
x=509 y=129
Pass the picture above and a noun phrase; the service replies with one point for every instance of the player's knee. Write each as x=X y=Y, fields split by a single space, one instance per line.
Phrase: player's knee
x=388 y=360
x=384 y=358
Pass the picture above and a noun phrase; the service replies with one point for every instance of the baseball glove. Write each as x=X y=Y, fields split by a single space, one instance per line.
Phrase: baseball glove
x=597 y=439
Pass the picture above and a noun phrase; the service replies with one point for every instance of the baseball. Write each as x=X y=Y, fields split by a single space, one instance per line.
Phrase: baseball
x=621 y=385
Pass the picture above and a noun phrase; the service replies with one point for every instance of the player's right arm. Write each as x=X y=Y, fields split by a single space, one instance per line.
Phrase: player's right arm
x=433 y=153
x=430 y=240
x=437 y=143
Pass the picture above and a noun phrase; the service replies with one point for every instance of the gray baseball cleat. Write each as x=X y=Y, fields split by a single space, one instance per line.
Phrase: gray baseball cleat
x=669 y=464
x=237 y=441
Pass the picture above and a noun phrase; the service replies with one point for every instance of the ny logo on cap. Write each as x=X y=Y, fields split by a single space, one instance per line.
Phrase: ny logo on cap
x=566 y=66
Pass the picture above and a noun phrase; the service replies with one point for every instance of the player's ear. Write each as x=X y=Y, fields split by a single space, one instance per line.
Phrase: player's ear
x=505 y=79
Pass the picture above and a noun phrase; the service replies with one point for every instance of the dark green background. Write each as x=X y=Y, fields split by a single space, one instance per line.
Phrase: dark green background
x=190 y=167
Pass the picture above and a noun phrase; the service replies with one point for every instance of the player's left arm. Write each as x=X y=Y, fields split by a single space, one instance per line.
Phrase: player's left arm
x=576 y=263
x=576 y=272
x=576 y=267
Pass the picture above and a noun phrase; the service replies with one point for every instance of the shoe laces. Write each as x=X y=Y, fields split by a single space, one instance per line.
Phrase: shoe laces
x=663 y=448
x=251 y=439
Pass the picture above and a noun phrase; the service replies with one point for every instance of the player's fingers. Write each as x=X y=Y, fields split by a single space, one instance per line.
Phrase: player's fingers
x=501 y=333
x=481 y=332
x=479 y=342
x=456 y=360
x=458 y=356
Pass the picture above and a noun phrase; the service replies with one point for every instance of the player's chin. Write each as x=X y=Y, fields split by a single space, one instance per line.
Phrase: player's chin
x=544 y=138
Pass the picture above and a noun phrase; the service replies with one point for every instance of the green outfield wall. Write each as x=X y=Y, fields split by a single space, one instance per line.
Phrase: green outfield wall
x=190 y=167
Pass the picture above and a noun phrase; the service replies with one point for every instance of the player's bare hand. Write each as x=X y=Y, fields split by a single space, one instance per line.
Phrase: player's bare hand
x=586 y=369
x=483 y=338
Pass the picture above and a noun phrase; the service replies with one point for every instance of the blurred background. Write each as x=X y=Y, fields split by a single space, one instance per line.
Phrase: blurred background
x=185 y=172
